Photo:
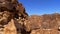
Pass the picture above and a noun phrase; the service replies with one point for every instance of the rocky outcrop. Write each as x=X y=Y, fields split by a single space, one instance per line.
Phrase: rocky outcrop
x=43 y=24
x=10 y=28
x=21 y=11
x=15 y=20
x=8 y=4
x=12 y=16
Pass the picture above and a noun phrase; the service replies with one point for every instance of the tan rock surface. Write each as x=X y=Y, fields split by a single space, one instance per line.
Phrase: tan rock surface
x=47 y=21
x=10 y=28
x=44 y=31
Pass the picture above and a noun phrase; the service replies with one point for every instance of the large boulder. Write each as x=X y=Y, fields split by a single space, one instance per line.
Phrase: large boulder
x=10 y=28
x=12 y=9
x=8 y=4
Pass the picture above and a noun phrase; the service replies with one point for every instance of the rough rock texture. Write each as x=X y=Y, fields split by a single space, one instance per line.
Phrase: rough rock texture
x=15 y=20
x=10 y=28
x=41 y=31
x=33 y=22
x=42 y=23
x=12 y=16
x=47 y=21
x=8 y=4
x=21 y=11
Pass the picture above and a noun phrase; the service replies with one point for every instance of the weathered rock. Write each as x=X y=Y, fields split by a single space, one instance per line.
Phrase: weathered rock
x=4 y=17
x=58 y=18
x=15 y=20
x=8 y=4
x=10 y=28
x=21 y=11
x=19 y=26
x=27 y=25
x=47 y=31
x=47 y=21
x=10 y=13
x=38 y=31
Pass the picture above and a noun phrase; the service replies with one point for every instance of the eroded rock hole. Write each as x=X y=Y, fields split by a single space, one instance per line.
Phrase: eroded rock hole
x=59 y=29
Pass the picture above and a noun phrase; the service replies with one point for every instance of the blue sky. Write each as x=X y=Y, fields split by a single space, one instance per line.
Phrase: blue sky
x=40 y=7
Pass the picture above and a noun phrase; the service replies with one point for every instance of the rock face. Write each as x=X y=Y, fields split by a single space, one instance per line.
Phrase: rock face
x=8 y=4
x=12 y=16
x=41 y=31
x=10 y=28
x=21 y=11
x=44 y=24
x=15 y=20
